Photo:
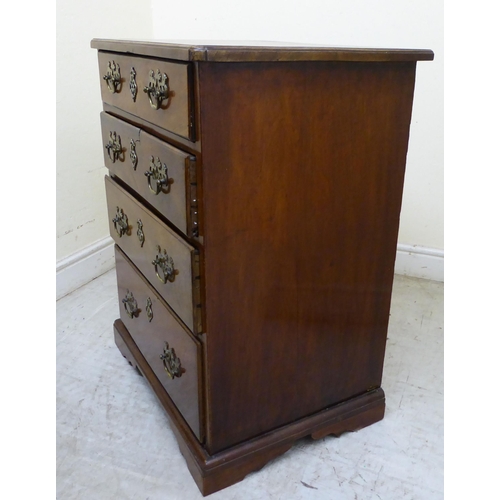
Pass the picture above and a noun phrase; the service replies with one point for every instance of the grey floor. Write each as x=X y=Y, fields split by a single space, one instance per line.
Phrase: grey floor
x=115 y=442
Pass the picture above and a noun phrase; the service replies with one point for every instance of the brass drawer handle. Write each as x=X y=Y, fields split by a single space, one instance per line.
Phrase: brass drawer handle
x=149 y=309
x=130 y=304
x=140 y=232
x=171 y=362
x=113 y=77
x=164 y=266
x=157 y=88
x=114 y=146
x=133 y=153
x=133 y=83
x=120 y=222
x=157 y=175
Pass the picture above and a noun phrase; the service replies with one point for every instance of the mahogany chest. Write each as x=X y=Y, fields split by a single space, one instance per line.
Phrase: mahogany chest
x=254 y=194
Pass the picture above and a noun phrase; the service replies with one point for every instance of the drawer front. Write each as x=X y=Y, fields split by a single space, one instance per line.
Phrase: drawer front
x=134 y=83
x=168 y=262
x=161 y=174
x=169 y=348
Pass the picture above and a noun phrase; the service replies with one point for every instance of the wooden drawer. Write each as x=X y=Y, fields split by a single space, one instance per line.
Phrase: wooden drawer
x=169 y=348
x=161 y=174
x=167 y=261
x=118 y=72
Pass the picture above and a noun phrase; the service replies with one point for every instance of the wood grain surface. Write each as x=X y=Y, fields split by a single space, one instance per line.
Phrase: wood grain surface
x=182 y=292
x=283 y=236
x=174 y=113
x=172 y=200
x=215 y=472
x=303 y=167
x=245 y=51
x=151 y=335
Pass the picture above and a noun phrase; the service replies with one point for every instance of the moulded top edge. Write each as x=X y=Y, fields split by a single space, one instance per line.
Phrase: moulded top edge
x=248 y=51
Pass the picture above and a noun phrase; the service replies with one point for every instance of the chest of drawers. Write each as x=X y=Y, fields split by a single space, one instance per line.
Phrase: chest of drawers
x=254 y=196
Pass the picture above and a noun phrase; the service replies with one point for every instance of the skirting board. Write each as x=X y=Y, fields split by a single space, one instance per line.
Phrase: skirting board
x=420 y=262
x=84 y=266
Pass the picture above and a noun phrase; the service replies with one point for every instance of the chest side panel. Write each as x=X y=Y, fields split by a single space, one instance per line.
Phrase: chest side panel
x=303 y=167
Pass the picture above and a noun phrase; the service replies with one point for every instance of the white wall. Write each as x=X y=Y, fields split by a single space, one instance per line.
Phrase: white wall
x=382 y=23
x=81 y=209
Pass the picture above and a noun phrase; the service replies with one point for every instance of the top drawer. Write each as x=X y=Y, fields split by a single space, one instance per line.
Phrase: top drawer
x=153 y=89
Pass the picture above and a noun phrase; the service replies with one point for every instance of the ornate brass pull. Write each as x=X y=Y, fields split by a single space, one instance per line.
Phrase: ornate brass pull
x=140 y=232
x=113 y=77
x=133 y=154
x=133 y=83
x=120 y=222
x=157 y=88
x=130 y=304
x=149 y=309
x=157 y=175
x=164 y=266
x=171 y=362
x=114 y=146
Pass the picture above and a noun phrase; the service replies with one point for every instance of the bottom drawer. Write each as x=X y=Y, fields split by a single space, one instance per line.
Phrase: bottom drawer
x=168 y=346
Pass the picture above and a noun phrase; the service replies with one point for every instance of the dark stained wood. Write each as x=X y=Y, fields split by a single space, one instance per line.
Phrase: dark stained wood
x=303 y=168
x=161 y=133
x=294 y=160
x=132 y=353
x=181 y=294
x=258 y=51
x=175 y=114
x=173 y=199
x=151 y=335
x=213 y=473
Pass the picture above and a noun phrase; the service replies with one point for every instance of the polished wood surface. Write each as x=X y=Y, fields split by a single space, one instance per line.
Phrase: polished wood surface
x=303 y=168
x=150 y=336
x=187 y=145
x=283 y=237
x=257 y=51
x=175 y=113
x=215 y=472
x=181 y=293
x=173 y=199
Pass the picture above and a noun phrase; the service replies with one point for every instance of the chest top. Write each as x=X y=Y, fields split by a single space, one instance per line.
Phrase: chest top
x=243 y=51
